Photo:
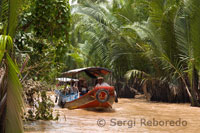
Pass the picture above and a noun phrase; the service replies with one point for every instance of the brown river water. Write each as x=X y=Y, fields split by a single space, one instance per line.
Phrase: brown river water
x=128 y=115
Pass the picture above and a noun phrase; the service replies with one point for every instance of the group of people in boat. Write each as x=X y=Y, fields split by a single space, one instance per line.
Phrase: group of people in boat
x=81 y=86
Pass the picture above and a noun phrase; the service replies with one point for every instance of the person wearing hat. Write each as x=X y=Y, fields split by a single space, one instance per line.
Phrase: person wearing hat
x=101 y=82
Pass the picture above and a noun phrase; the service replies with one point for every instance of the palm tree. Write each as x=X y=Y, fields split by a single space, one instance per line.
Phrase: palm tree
x=163 y=48
x=10 y=88
x=106 y=39
x=187 y=34
x=151 y=48
x=173 y=31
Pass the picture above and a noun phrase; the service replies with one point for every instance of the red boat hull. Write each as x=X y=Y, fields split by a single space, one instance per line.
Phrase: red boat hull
x=99 y=97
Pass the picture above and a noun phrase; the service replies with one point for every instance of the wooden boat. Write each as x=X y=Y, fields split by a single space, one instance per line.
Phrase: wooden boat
x=98 y=97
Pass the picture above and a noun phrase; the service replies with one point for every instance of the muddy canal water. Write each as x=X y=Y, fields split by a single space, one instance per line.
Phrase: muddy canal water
x=128 y=115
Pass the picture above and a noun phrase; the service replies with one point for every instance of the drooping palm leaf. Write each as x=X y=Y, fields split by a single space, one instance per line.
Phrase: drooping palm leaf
x=10 y=89
x=187 y=35
x=193 y=20
x=12 y=92
x=14 y=100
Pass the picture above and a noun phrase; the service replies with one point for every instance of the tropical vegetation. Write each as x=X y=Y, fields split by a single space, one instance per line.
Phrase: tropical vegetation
x=153 y=41
x=150 y=45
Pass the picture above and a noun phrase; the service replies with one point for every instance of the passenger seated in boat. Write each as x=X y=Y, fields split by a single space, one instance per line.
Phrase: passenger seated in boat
x=82 y=86
x=66 y=91
x=73 y=87
x=101 y=82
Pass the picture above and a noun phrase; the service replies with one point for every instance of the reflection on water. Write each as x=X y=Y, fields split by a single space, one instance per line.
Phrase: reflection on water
x=129 y=115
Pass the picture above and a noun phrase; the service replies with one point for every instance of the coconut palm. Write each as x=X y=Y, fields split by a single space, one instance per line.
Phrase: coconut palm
x=156 y=49
x=108 y=39
x=187 y=34
x=173 y=44
x=154 y=52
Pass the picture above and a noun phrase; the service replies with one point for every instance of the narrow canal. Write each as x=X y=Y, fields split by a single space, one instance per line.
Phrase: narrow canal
x=128 y=115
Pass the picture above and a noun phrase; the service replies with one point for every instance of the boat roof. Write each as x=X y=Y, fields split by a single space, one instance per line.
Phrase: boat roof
x=93 y=72
x=63 y=79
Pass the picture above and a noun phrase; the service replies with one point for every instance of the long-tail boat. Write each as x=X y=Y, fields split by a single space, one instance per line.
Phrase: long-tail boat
x=97 y=97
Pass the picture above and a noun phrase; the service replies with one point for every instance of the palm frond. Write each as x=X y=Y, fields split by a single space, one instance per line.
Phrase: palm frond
x=14 y=6
x=182 y=34
x=193 y=19
x=138 y=74
x=12 y=90
x=4 y=12
x=9 y=10
x=93 y=11
x=14 y=110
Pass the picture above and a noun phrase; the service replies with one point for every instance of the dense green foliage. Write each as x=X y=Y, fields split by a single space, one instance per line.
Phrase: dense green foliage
x=44 y=41
x=103 y=32
x=157 y=40
x=43 y=34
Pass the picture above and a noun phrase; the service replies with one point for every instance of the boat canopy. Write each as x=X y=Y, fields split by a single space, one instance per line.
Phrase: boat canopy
x=93 y=72
x=65 y=79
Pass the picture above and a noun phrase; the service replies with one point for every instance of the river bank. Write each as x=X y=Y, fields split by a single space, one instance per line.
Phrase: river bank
x=128 y=115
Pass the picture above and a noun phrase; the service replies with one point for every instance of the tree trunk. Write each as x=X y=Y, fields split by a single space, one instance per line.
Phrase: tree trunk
x=123 y=90
x=144 y=88
x=194 y=89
